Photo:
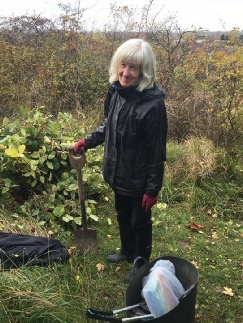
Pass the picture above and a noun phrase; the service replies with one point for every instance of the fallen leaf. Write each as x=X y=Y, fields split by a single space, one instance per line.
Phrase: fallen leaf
x=117 y=269
x=100 y=267
x=219 y=289
x=183 y=244
x=161 y=206
x=215 y=235
x=228 y=291
x=195 y=264
x=70 y=250
x=194 y=226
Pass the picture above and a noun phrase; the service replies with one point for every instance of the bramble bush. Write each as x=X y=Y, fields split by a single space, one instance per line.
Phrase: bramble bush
x=36 y=176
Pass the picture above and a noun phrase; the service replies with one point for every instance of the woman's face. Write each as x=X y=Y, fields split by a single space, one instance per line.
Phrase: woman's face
x=128 y=74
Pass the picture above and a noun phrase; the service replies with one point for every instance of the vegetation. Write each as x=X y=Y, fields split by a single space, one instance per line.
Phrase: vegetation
x=198 y=218
x=53 y=81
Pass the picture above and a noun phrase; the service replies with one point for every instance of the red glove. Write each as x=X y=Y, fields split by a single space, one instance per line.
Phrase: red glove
x=148 y=202
x=80 y=144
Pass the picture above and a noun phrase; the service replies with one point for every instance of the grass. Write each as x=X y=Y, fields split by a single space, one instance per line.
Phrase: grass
x=62 y=293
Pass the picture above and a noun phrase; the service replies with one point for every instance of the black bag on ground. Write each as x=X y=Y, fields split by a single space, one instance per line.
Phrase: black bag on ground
x=17 y=250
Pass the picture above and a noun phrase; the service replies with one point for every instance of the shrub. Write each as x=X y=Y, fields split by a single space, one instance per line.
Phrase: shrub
x=36 y=175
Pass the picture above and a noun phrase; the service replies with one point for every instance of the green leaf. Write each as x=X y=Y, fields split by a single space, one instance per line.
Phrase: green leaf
x=33 y=164
x=47 y=140
x=5 y=121
x=67 y=218
x=15 y=137
x=85 y=177
x=7 y=181
x=52 y=155
x=23 y=132
x=54 y=188
x=72 y=187
x=28 y=174
x=63 y=156
x=92 y=201
x=12 y=152
x=49 y=165
x=21 y=149
x=94 y=217
x=42 y=159
x=35 y=154
x=77 y=220
x=2 y=141
x=33 y=183
x=58 y=210
x=42 y=223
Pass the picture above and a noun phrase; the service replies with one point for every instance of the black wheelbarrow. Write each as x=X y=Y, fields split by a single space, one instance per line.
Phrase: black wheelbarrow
x=137 y=310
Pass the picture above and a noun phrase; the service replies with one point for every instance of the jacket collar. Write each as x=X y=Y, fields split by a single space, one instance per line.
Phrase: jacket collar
x=132 y=92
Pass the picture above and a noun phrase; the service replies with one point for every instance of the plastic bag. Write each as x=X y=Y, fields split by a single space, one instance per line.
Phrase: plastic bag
x=161 y=288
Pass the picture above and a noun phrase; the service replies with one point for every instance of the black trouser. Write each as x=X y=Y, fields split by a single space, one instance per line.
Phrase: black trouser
x=135 y=226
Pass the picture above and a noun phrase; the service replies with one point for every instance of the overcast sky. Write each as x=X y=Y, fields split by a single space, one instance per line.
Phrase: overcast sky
x=208 y=14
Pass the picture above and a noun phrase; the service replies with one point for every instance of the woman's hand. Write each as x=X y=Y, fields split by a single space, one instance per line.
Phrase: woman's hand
x=79 y=145
x=148 y=202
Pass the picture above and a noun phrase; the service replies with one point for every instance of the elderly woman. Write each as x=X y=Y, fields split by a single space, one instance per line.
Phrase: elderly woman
x=134 y=132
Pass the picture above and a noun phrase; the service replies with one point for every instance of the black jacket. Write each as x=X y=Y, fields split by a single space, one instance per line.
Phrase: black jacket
x=134 y=133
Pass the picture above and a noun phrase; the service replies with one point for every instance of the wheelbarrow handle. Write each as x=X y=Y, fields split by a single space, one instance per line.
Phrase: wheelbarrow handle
x=108 y=312
x=104 y=315
x=100 y=312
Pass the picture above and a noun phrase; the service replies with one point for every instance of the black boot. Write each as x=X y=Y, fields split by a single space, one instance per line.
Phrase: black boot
x=127 y=252
x=144 y=244
x=143 y=249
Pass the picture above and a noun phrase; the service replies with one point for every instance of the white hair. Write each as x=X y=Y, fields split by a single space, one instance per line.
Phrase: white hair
x=139 y=52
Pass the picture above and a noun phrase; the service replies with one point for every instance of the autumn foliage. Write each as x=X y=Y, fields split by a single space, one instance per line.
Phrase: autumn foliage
x=63 y=67
x=53 y=79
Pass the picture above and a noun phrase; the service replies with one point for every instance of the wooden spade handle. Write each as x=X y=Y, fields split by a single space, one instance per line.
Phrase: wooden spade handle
x=82 y=199
x=77 y=161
